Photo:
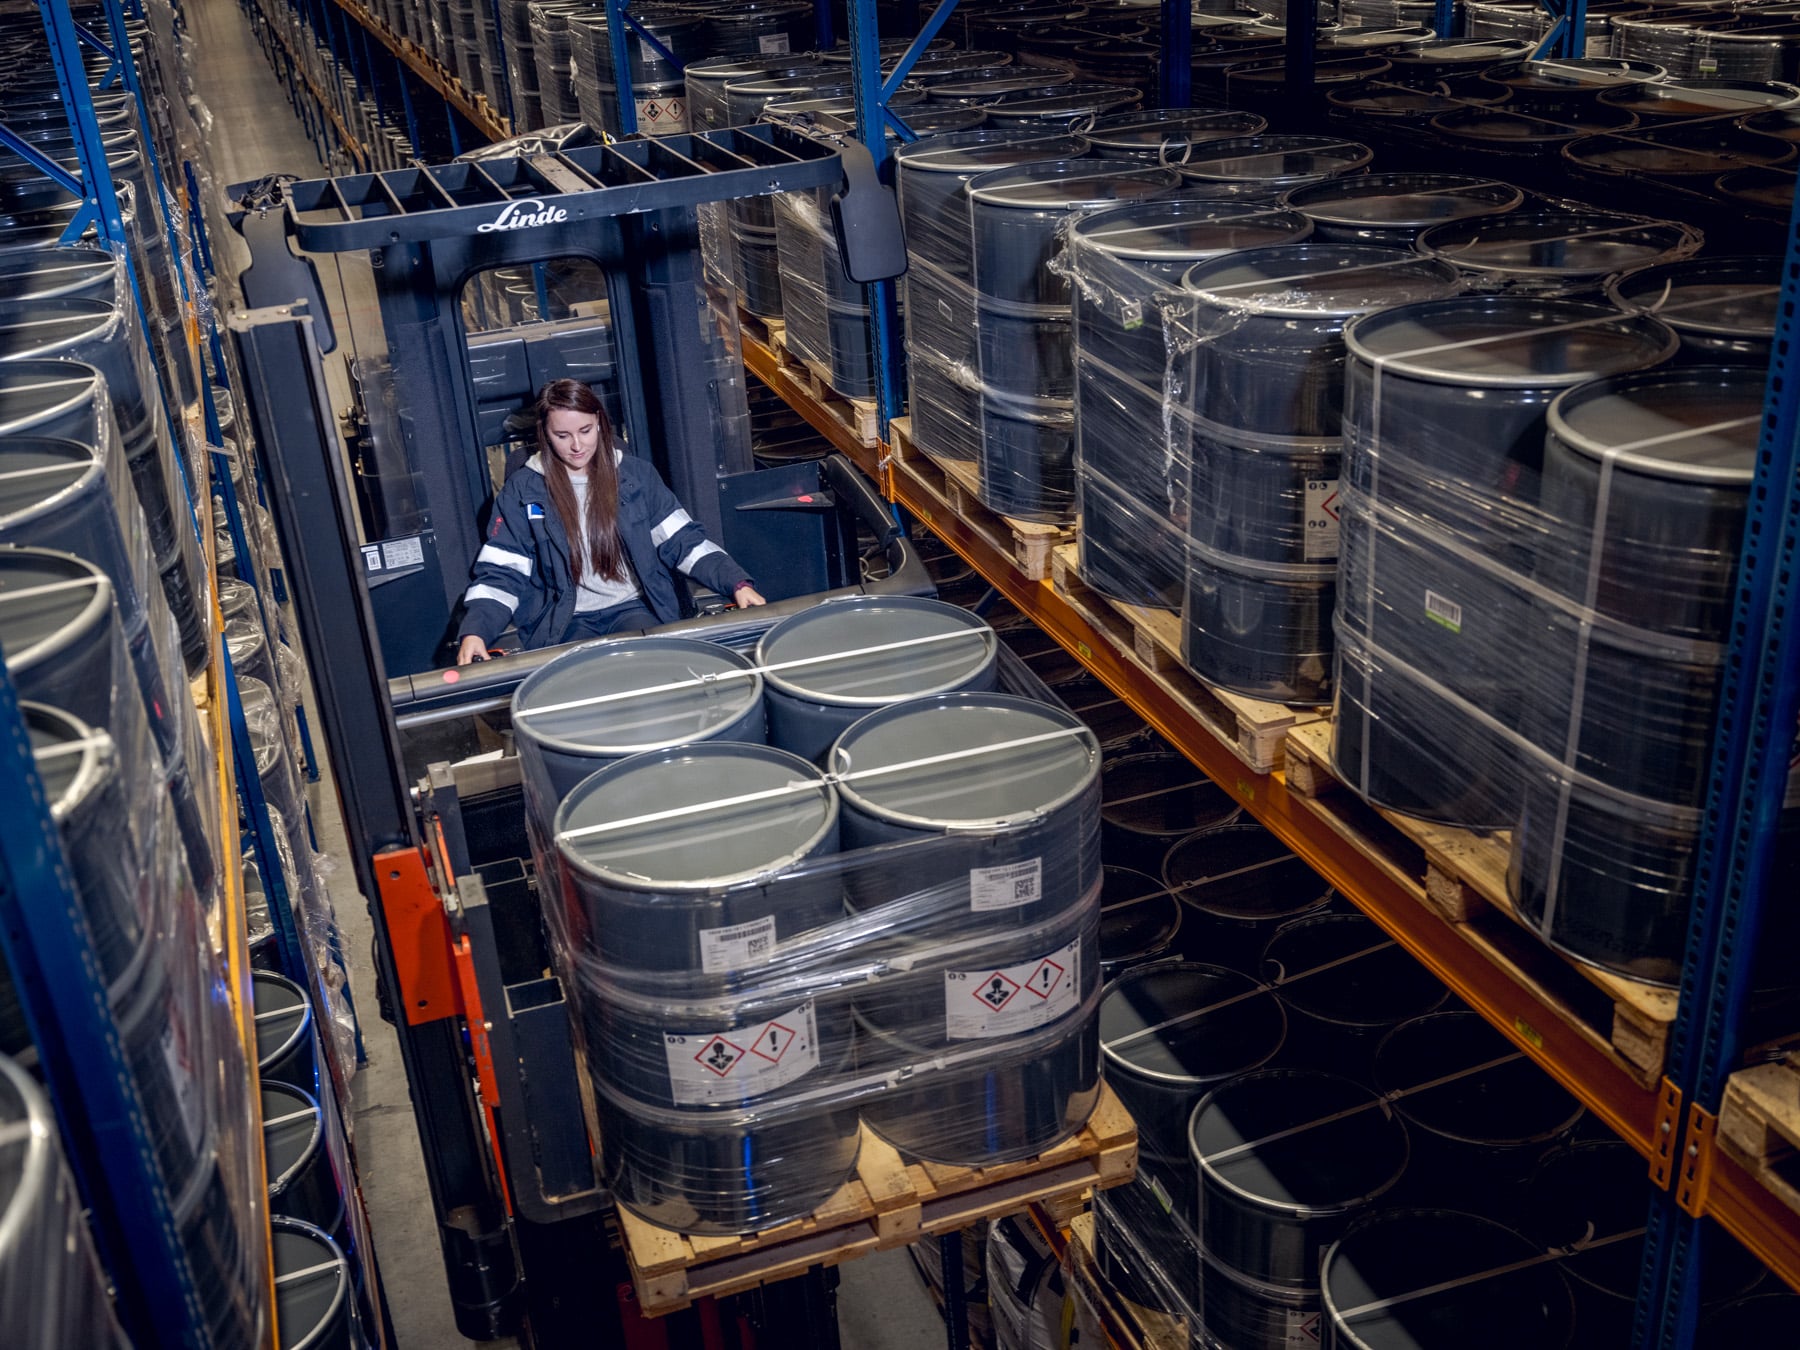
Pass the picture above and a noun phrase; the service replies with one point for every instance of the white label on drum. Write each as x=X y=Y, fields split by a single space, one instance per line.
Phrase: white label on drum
x=743 y=1062
x=1004 y=1001
x=1302 y=1331
x=181 y=1077
x=770 y=43
x=1322 y=501
x=1007 y=887
x=1441 y=610
x=723 y=950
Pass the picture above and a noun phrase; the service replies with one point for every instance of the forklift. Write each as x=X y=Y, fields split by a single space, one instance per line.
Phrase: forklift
x=491 y=275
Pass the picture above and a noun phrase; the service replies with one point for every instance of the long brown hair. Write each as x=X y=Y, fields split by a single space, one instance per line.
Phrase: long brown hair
x=596 y=543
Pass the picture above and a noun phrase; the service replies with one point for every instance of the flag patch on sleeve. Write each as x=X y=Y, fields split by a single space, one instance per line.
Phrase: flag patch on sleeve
x=533 y=511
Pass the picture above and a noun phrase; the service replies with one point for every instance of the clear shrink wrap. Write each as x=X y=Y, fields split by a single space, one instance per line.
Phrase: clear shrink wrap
x=1541 y=530
x=763 y=957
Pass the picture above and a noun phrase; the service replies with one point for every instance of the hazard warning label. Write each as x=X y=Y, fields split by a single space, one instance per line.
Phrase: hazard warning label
x=743 y=1062
x=1322 y=503
x=1005 y=1000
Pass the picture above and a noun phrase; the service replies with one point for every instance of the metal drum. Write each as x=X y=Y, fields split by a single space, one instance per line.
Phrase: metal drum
x=1723 y=308
x=830 y=666
x=1024 y=322
x=1240 y=1313
x=1479 y=1113
x=1150 y=800
x=1065 y=106
x=990 y=84
x=1564 y=85
x=605 y=701
x=285 y=1050
x=1683 y=99
x=313 y=1304
x=1266 y=328
x=1429 y=687
x=1433 y=1279
x=1557 y=249
x=1127 y=263
x=1262 y=168
x=55 y=1292
x=1144 y=1249
x=760 y=29
x=74 y=270
x=1139 y=920
x=673 y=865
x=1590 y=1200
x=1287 y=1160
x=1646 y=476
x=1429 y=63
x=1391 y=210
x=1345 y=985
x=302 y=1182
x=1172 y=1031
x=1165 y=135
x=1237 y=884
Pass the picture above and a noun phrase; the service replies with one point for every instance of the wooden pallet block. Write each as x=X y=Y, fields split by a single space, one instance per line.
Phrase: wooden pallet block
x=1255 y=730
x=887 y=1202
x=1759 y=1126
x=957 y=483
x=1461 y=875
x=862 y=416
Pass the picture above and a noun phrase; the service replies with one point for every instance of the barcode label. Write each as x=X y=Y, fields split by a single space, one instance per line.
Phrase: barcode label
x=1007 y=1000
x=743 y=1062
x=771 y=43
x=723 y=950
x=1008 y=887
x=1321 y=543
x=1443 y=611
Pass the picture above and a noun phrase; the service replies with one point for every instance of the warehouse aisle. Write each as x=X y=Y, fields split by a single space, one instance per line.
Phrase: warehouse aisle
x=883 y=1305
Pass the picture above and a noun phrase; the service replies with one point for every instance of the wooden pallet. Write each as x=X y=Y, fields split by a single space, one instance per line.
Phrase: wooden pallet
x=1255 y=730
x=957 y=485
x=887 y=1203
x=812 y=380
x=1759 y=1126
x=1462 y=877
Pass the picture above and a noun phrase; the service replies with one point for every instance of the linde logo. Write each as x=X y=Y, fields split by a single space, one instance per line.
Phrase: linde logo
x=522 y=215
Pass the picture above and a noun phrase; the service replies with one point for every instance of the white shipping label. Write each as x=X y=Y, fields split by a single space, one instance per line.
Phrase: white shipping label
x=1006 y=887
x=979 y=1004
x=1443 y=610
x=398 y=553
x=770 y=43
x=723 y=950
x=743 y=1062
x=1321 y=519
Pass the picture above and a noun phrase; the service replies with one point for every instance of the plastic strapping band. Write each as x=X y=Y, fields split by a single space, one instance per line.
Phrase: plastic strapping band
x=824 y=780
x=288 y=1118
x=1400 y=263
x=1244 y=871
x=720 y=677
x=15 y=1131
x=42 y=468
x=51 y=588
x=308 y=1271
x=1444 y=1287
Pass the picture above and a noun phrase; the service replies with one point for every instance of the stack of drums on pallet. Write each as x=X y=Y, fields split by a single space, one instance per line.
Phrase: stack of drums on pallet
x=1723 y=309
x=552 y=51
x=1025 y=350
x=1556 y=249
x=660 y=103
x=1391 y=210
x=1444 y=434
x=53 y=1291
x=943 y=363
x=1265 y=394
x=1126 y=264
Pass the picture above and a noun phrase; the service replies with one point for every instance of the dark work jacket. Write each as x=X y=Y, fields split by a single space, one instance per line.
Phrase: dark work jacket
x=523 y=575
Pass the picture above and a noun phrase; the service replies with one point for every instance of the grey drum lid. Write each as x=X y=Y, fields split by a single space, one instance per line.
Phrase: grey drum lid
x=73 y=759
x=688 y=829
x=40 y=474
x=1586 y=74
x=1453 y=1074
x=1517 y=342
x=1167 y=236
x=1243 y=873
x=1297 y=1141
x=659 y=691
x=846 y=652
x=1069 y=184
x=1010 y=782
x=1403 y=200
x=292 y=1132
x=1702 y=98
x=1692 y=424
x=48 y=600
x=38 y=395
x=1729 y=297
x=1062 y=102
x=1320 y=280
x=1180 y=1023
x=1554 y=241
x=283 y=1015
x=966 y=153
x=1433 y=1279
x=1277 y=160
x=1678 y=150
x=44 y=327
x=77 y=270
x=312 y=1280
x=1154 y=131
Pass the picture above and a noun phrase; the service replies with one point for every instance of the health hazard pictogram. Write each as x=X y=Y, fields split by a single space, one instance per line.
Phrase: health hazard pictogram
x=1330 y=506
x=719 y=1055
x=772 y=1042
x=997 y=990
x=1045 y=978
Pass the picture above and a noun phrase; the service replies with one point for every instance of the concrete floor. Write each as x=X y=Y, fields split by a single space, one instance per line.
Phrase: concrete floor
x=882 y=1303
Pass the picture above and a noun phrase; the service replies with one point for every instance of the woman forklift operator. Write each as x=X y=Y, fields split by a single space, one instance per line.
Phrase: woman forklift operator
x=584 y=540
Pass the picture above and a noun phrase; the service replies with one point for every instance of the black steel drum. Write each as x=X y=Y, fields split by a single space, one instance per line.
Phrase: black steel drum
x=1237 y=885
x=1345 y=985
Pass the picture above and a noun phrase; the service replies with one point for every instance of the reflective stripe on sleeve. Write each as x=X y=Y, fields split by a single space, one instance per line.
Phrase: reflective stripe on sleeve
x=695 y=554
x=670 y=524
x=504 y=557
x=478 y=592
